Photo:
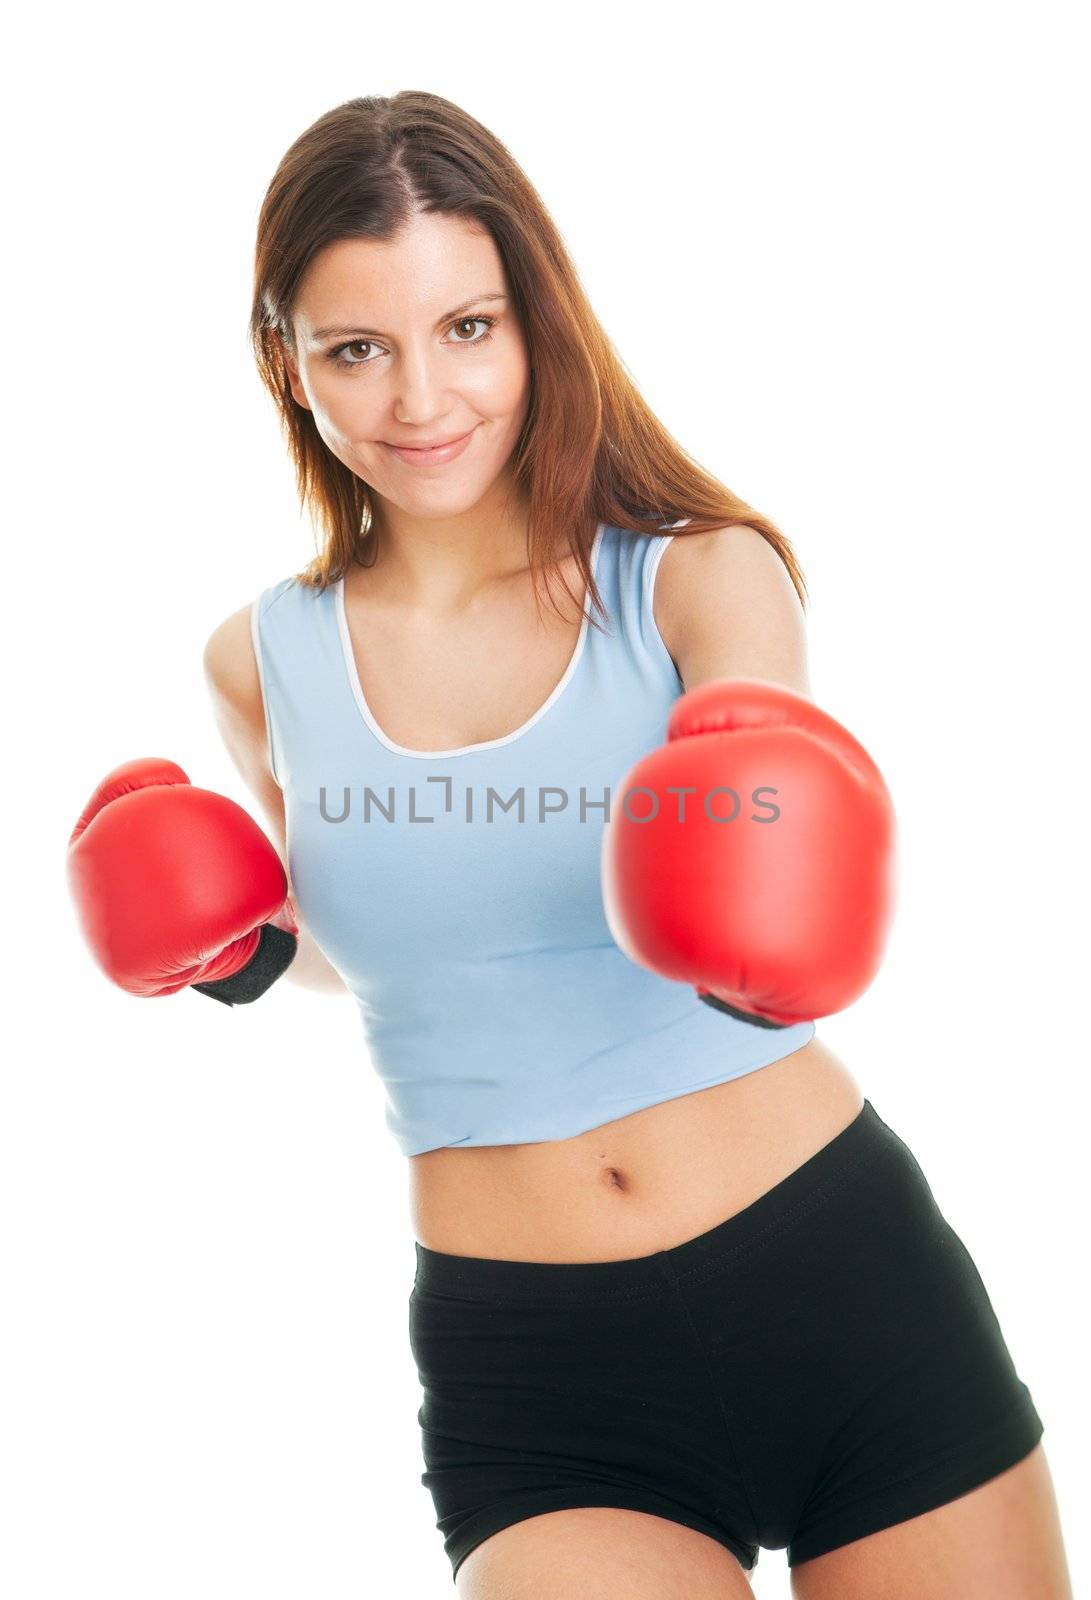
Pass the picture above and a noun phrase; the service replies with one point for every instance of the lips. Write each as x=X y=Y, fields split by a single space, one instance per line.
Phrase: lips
x=433 y=444
x=433 y=455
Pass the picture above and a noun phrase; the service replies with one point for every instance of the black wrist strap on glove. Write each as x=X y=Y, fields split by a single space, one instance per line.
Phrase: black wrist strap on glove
x=743 y=1016
x=274 y=954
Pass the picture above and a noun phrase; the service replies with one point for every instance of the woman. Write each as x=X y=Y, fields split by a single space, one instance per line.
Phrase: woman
x=681 y=1292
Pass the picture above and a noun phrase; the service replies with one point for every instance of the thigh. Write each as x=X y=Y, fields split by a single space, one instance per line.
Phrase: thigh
x=1001 y=1541
x=611 y=1554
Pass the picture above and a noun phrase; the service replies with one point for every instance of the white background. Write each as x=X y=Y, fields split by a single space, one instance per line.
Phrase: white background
x=839 y=248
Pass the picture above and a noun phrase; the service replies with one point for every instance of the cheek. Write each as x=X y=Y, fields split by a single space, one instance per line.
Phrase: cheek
x=496 y=380
x=500 y=389
x=343 y=412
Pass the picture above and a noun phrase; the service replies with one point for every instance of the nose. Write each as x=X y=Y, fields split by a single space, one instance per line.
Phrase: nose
x=420 y=386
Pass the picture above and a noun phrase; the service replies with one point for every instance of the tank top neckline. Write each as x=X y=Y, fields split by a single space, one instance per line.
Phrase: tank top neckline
x=484 y=744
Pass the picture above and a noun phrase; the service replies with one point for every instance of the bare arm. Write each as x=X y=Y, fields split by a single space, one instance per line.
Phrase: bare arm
x=232 y=676
x=727 y=608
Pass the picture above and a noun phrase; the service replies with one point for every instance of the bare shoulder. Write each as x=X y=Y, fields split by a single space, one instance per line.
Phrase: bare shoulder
x=725 y=606
x=231 y=673
x=231 y=669
x=738 y=558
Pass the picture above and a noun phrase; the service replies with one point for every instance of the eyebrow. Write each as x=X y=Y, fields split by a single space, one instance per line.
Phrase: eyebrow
x=448 y=316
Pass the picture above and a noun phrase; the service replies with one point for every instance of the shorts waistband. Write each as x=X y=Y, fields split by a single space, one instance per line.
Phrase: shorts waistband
x=489 y=1278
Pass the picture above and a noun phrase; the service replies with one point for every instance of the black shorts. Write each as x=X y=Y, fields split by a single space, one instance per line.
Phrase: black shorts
x=824 y=1363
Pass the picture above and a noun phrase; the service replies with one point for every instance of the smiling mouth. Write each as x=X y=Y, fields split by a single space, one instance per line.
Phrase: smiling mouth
x=433 y=444
x=434 y=455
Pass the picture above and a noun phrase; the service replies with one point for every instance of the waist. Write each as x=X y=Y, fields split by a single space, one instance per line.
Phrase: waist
x=539 y=1047
x=641 y=1183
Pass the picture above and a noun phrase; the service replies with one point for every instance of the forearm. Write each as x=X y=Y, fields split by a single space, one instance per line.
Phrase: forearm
x=311 y=970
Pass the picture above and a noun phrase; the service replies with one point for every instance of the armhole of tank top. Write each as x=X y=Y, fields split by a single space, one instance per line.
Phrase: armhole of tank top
x=255 y=635
x=660 y=545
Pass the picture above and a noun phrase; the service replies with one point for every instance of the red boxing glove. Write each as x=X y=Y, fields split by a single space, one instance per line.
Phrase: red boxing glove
x=177 y=886
x=757 y=859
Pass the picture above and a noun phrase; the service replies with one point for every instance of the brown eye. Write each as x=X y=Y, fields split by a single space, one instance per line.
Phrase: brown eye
x=469 y=322
x=337 y=354
x=339 y=358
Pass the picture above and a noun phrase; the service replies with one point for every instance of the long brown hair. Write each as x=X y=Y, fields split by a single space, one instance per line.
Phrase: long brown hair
x=591 y=450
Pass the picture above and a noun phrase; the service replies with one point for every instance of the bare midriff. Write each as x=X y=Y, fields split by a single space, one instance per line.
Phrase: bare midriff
x=640 y=1183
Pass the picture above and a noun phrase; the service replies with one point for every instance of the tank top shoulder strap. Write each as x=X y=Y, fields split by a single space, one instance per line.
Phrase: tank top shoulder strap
x=294 y=634
x=626 y=573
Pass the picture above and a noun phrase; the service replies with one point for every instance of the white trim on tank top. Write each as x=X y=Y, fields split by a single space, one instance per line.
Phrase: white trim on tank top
x=465 y=749
x=255 y=637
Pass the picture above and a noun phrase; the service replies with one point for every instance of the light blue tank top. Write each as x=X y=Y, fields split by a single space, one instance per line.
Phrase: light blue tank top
x=457 y=892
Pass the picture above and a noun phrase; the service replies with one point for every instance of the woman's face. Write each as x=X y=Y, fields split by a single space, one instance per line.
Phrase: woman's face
x=411 y=341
